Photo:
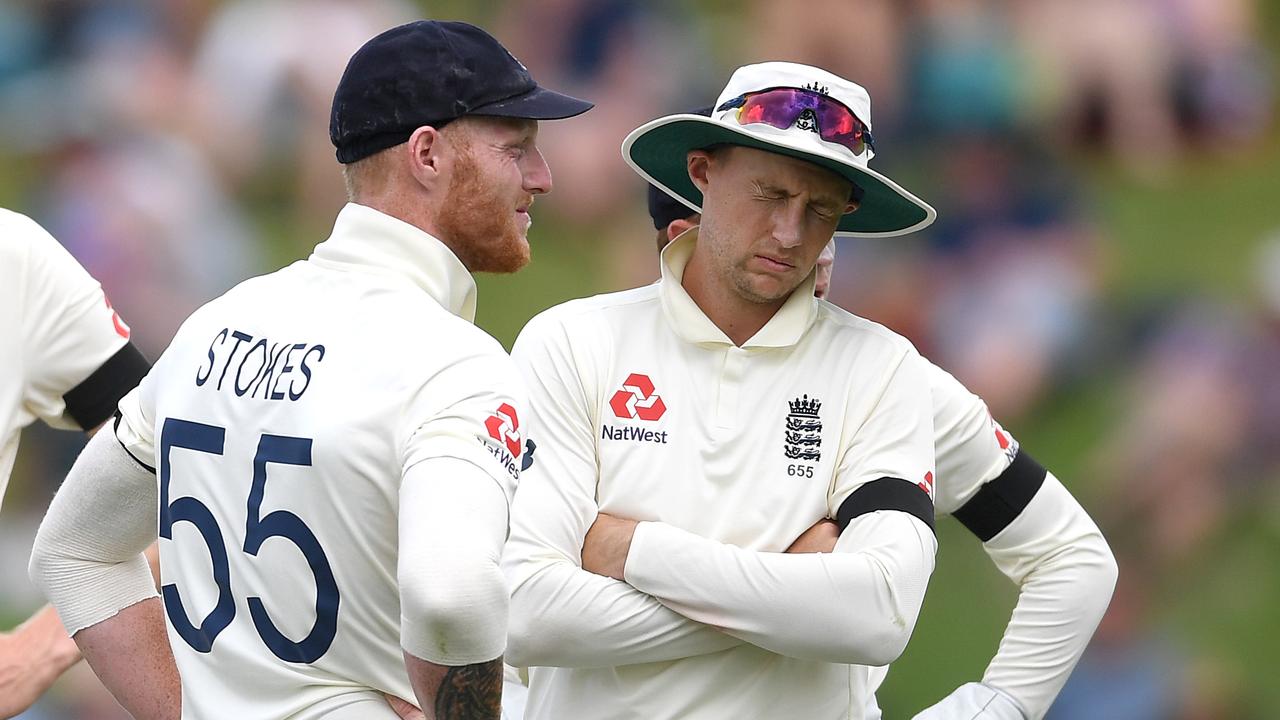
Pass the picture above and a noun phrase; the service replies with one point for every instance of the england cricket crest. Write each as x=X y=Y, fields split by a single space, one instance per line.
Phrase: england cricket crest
x=803 y=433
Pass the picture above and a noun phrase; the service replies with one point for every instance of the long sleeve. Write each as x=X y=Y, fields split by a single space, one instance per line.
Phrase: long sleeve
x=856 y=605
x=453 y=599
x=1066 y=574
x=562 y=615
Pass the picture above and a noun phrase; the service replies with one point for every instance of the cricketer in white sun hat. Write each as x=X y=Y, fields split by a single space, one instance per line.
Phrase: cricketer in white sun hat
x=657 y=150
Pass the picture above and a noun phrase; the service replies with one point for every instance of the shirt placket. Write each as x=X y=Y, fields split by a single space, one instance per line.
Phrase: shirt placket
x=729 y=391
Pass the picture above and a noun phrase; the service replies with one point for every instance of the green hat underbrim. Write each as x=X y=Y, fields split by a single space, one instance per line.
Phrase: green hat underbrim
x=658 y=151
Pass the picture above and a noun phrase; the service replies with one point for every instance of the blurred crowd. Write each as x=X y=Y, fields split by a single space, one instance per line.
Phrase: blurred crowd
x=178 y=146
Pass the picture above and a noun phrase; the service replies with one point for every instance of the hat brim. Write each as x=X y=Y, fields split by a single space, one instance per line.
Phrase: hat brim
x=537 y=104
x=658 y=149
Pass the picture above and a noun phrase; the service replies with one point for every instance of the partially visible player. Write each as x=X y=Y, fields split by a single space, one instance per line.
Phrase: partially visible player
x=66 y=359
x=335 y=444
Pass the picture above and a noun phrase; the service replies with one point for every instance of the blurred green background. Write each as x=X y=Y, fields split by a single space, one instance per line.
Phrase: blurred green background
x=1104 y=271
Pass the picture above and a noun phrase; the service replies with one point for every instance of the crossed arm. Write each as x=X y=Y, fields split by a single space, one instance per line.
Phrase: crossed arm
x=592 y=590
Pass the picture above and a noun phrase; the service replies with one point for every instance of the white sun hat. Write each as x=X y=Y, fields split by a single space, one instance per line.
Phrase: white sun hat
x=657 y=150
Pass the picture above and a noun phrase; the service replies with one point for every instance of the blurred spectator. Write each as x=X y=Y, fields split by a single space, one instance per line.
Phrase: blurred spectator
x=131 y=198
x=635 y=60
x=858 y=39
x=264 y=76
x=1104 y=69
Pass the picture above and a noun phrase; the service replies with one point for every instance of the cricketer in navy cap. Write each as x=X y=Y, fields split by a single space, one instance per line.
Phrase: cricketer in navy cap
x=436 y=124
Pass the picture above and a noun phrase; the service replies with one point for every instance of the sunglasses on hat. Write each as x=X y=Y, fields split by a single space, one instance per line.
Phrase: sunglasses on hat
x=782 y=107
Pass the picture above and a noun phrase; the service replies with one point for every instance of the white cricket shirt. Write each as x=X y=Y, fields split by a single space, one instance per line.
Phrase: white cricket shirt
x=645 y=409
x=58 y=329
x=281 y=420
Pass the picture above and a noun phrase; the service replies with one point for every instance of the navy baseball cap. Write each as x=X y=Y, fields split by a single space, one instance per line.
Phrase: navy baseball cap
x=430 y=72
x=664 y=208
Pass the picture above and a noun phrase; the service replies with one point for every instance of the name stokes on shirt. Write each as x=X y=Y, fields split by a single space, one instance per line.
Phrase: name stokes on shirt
x=264 y=368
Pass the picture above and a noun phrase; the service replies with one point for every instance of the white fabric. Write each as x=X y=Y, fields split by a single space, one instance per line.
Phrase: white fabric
x=515 y=693
x=453 y=599
x=1053 y=551
x=366 y=350
x=87 y=558
x=881 y=567
x=973 y=701
x=971 y=449
x=57 y=329
x=1066 y=574
x=713 y=463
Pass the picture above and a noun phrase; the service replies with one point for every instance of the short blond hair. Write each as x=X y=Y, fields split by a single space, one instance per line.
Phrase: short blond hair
x=368 y=175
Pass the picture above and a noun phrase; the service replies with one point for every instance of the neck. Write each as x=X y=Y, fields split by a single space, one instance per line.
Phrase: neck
x=737 y=317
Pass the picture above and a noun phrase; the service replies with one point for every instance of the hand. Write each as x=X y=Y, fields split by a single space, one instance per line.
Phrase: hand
x=31 y=658
x=406 y=710
x=604 y=550
x=821 y=537
x=973 y=701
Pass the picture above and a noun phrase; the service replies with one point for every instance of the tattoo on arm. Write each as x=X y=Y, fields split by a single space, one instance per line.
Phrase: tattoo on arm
x=471 y=692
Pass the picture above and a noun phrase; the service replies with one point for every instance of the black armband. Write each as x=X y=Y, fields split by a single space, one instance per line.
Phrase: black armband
x=94 y=400
x=887 y=493
x=999 y=502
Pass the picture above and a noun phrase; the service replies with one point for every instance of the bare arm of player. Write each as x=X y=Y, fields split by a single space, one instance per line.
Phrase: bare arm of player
x=453 y=598
x=39 y=650
x=88 y=559
x=31 y=658
x=130 y=654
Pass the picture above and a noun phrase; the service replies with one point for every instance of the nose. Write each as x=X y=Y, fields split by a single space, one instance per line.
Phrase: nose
x=536 y=174
x=787 y=223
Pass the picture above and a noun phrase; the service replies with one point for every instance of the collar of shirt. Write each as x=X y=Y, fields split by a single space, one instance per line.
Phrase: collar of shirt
x=371 y=240
x=784 y=329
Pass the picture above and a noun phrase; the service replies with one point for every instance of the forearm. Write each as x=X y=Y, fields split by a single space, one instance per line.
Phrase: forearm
x=31 y=658
x=462 y=692
x=146 y=684
x=563 y=616
x=1066 y=574
x=857 y=605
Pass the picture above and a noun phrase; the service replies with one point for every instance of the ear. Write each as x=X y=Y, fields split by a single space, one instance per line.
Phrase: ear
x=428 y=156
x=680 y=226
x=699 y=164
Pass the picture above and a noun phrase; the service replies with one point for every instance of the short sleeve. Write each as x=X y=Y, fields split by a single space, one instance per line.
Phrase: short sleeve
x=473 y=409
x=135 y=423
x=77 y=358
x=894 y=442
x=971 y=446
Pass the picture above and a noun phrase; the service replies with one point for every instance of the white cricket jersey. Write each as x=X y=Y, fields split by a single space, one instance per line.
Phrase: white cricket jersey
x=970 y=449
x=281 y=420
x=647 y=410
x=58 y=329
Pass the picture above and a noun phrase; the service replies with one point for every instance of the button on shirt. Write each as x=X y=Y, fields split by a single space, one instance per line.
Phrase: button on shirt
x=282 y=419
x=646 y=410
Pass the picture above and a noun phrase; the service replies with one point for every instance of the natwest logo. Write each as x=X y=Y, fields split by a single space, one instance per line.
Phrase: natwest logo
x=504 y=427
x=637 y=399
